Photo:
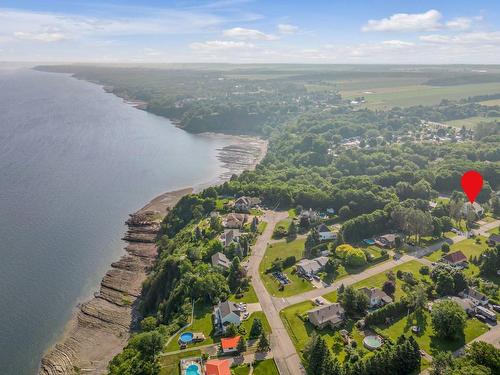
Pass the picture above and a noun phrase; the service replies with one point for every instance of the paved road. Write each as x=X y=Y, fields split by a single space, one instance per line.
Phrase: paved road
x=284 y=352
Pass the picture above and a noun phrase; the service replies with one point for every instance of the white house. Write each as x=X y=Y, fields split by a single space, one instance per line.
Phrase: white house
x=226 y=313
x=325 y=234
x=376 y=297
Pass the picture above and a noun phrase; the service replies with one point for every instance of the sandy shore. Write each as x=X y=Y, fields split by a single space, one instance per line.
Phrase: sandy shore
x=100 y=327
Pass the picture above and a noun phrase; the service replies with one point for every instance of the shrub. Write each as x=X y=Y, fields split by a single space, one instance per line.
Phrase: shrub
x=424 y=270
x=445 y=247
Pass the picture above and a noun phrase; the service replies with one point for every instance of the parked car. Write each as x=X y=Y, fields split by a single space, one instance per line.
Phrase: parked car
x=481 y=318
x=496 y=308
x=319 y=301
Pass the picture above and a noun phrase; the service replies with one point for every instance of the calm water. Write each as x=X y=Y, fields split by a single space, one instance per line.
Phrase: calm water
x=74 y=161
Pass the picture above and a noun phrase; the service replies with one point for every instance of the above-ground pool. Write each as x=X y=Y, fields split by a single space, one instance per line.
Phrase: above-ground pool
x=186 y=337
x=193 y=369
x=372 y=342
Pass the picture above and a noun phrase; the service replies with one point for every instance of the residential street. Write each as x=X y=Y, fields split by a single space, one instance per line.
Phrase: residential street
x=284 y=352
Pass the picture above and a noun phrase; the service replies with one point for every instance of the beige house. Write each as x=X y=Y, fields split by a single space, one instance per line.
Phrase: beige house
x=234 y=221
x=330 y=315
x=376 y=297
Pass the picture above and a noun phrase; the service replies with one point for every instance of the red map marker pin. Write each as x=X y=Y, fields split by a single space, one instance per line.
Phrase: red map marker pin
x=472 y=183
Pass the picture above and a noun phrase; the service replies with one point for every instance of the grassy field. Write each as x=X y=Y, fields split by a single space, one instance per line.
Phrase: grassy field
x=282 y=250
x=426 y=338
x=266 y=367
x=170 y=363
x=249 y=296
x=471 y=122
x=491 y=102
x=394 y=94
x=379 y=279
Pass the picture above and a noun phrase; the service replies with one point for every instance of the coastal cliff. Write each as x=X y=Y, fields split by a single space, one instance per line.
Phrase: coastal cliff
x=101 y=327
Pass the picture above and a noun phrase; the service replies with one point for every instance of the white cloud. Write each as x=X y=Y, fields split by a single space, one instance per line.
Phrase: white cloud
x=459 y=23
x=218 y=45
x=287 y=29
x=397 y=43
x=247 y=34
x=406 y=22
x=479 y=38
x=40 y=37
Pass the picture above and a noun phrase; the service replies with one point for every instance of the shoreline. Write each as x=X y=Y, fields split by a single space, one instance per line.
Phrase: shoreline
x=99 y=328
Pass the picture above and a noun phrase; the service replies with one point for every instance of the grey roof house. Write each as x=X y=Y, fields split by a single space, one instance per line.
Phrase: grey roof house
x=330 y=315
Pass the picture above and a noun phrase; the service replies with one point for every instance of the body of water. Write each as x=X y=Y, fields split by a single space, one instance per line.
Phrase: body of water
x=74 y=162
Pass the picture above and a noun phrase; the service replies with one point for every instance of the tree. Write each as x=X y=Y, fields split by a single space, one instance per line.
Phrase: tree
x=256 y=329
x=311 y=241
x=389 y=287
x=254 y=226
x=292 y=230
x=231 y=330
x=448 y=319
x=148 y=323
x=263 y=344
x=331 y=366
x=317 y=356
x=441 y=363
x=490 y=261
x=495 y=205
x=242 y=345
x=345 y=212
x=484 y=354
x=445 y=247
x=354 y=301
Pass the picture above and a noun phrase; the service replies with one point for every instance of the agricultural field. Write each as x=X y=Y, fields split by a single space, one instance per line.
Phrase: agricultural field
x=491 y=102
x=386 y=97
x=471 y=122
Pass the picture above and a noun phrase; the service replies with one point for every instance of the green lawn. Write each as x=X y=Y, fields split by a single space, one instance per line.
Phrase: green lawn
x=379 y=279
x=241 y=370
x=284 y=249
x=247 y=324
x=170 y=363
x=202 y=323
x=468 y=247
x=249 y=296
x=301 y=331
x=426 y=339
x=266 y=367
x=494 y=230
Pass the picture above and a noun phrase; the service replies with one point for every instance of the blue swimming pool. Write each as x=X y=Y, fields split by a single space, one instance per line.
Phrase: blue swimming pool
x=186 y=337
x=193 y=370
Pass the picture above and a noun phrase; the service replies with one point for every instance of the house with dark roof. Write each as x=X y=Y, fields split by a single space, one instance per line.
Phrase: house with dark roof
x=229 y=236
x=376 y=297
x=476 y=297
x=325 y=234
x=226 y=313
x=330 y=315
x=494 y=239
x=221 y=261
x=456 y=258
x=386 y=240
x=311 y=267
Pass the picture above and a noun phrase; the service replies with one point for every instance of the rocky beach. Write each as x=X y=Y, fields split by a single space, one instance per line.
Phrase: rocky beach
x=100 y=327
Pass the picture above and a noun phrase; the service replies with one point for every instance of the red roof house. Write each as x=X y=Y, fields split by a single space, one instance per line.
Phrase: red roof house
x=230 y=344
x=217 y=367
x=455 y=258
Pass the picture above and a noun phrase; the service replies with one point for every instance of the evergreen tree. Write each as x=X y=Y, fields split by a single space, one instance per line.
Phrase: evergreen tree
x=263 y=344
x=317 y=357
x=242 y=345
x=331 y=366
x=256 y=329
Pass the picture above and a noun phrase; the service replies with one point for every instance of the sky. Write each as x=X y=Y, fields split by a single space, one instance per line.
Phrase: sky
x=246 y=31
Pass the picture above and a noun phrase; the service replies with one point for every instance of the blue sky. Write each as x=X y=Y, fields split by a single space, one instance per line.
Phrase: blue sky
x=245 y=31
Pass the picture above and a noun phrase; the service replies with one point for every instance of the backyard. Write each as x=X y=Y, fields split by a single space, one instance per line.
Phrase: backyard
x=170 y=363
x=426 y=338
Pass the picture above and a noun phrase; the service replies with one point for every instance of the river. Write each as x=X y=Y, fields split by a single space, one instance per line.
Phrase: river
x=74 y=162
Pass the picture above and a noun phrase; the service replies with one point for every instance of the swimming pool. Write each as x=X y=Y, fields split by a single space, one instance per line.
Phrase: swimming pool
x=372 y=342
x=186 y=337
x=193 y=369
